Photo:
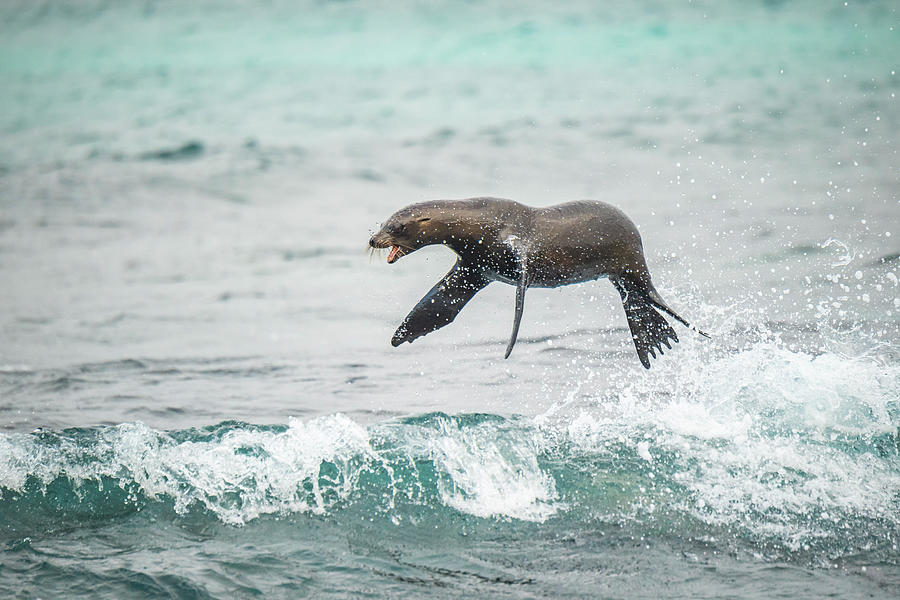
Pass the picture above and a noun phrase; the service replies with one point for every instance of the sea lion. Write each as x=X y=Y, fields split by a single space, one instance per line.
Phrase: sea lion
x=503 y=240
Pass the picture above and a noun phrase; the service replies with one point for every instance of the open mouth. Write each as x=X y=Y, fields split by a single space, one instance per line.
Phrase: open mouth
x=395 y=253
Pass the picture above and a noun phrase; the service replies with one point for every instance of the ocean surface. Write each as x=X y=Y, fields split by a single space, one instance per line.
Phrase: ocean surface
x=198 y=398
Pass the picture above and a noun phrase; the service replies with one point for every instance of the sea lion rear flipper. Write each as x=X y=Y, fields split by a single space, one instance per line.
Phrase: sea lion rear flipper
x=441 y=304
x=520 y=305
x=657 y=301
x=649 y=329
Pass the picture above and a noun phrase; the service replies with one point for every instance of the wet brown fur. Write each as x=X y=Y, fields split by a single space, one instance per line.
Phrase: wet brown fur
x=503 y=240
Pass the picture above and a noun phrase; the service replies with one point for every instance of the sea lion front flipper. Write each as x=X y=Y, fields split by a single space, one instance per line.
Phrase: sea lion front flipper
x=441 y=304
x=520 y=305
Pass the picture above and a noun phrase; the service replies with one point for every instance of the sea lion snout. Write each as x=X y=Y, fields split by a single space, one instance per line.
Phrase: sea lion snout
x=386 y=239
x=382 y=239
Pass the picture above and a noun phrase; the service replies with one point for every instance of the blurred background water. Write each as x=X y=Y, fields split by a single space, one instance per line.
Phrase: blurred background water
x=197 y=392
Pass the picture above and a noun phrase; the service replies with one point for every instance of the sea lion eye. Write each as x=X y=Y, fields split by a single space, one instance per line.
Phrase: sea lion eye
x=397 y=228
x=424 y=219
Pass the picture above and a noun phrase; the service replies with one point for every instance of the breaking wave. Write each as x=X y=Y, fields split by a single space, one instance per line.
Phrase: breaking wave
x=787 y=451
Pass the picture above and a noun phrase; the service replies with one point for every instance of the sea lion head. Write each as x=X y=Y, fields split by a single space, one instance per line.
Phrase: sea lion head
x=411 y=228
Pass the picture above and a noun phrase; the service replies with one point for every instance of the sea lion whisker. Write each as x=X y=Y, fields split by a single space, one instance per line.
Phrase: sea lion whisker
x=376 y=251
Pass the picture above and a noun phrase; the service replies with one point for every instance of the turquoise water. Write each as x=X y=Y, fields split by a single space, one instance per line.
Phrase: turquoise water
x=197 y=393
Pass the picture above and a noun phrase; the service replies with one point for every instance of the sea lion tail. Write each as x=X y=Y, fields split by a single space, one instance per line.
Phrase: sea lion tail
x=649 y=329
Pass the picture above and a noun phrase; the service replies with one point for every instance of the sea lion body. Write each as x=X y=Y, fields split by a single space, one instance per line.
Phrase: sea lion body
x=503 y=240
x=581 y=241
